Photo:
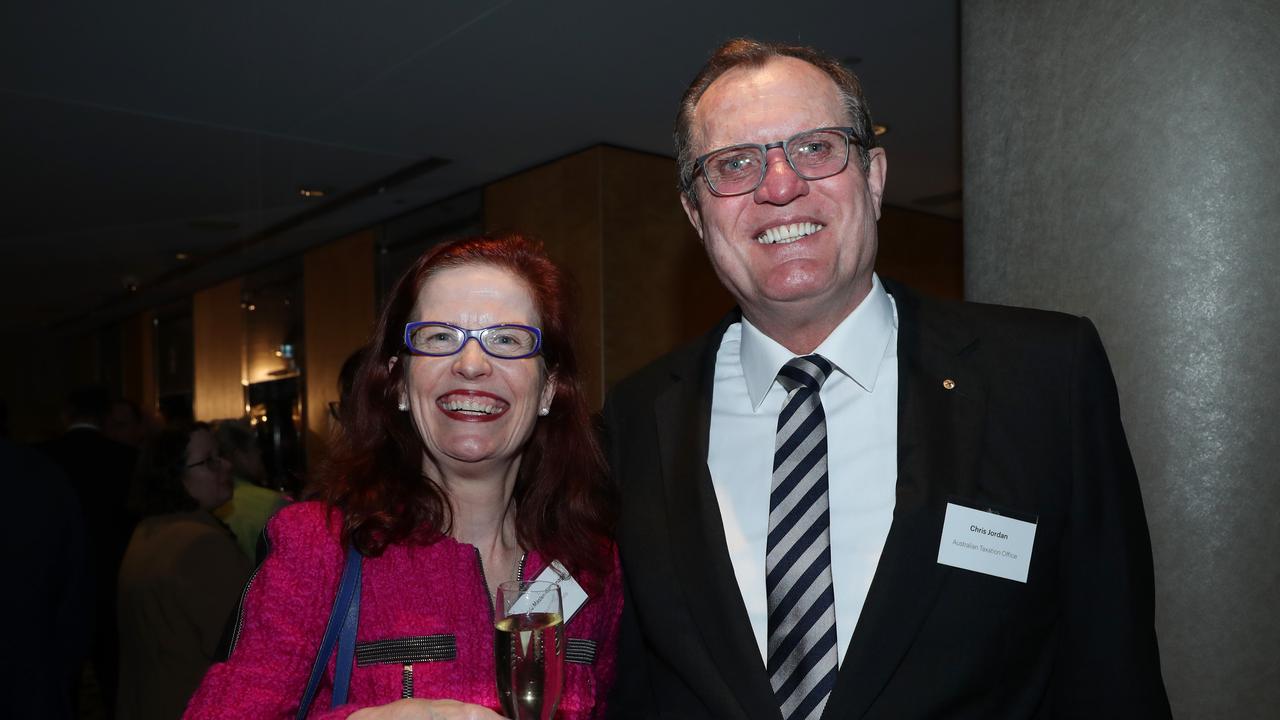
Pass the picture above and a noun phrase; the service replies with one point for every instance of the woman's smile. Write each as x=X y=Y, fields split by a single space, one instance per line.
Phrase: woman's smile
x=472 y=405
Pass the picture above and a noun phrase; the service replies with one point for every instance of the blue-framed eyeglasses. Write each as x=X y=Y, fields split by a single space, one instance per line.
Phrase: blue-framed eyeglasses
x=438 y=339
x=812 y=154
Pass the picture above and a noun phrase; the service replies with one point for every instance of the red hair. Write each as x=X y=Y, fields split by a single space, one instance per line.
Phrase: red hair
x=565 y=507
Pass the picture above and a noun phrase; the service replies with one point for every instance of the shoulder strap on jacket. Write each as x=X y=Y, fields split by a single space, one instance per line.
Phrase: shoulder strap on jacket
x=342 y=622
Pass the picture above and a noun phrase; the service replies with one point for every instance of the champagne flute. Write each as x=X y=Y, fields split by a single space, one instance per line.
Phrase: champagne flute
x=528 y=639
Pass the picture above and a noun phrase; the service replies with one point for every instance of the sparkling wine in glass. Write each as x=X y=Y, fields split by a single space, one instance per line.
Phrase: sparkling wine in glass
x=528 y=639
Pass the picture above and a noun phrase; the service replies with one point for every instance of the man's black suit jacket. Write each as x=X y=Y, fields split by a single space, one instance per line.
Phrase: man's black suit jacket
x=101 y=472
x=1030 y=424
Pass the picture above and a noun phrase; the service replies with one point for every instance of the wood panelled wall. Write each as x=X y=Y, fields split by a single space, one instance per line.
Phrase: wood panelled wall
x=38 y=370
x=36 y=373
x=923 y=251
x=559 y=203
x=612 y=218
x=137 y=361
x=217 y=322
x=338 y=315
x=660 y=290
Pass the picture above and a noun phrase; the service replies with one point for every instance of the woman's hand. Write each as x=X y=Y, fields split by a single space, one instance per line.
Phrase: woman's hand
x=414 y=709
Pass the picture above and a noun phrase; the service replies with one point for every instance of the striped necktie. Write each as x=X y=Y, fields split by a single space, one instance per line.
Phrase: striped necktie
x=802 y=616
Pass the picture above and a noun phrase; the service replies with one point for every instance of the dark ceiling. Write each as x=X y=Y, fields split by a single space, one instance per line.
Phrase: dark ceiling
x=136 y=131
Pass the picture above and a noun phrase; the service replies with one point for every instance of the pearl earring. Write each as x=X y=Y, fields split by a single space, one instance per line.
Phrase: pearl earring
x=404 y=404
x=544 y=412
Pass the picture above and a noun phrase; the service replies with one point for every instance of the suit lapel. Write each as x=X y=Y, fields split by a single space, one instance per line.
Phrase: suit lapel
x=939 y=437
x=705 y=573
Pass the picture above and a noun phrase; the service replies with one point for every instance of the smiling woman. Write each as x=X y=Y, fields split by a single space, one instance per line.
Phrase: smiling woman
x=469 y=459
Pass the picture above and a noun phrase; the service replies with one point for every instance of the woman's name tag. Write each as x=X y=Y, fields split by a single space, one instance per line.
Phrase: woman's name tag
x=572 y=596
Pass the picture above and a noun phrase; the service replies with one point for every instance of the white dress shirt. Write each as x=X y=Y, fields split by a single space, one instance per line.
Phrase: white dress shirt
x=860 y=400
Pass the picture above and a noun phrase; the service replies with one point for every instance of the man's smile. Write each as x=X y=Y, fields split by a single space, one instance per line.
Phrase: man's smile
x=788 y=233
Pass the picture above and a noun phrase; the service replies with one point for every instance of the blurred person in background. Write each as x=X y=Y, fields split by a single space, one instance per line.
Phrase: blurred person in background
x=252 y=503
x=48 y=600
x=346 y=382
x=100 y=471
x=181 y=576
x=467 y=459
x=125 y=423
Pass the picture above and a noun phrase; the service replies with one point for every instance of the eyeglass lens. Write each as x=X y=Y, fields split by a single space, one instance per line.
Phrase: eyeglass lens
x=813 y=155
x=509 y=341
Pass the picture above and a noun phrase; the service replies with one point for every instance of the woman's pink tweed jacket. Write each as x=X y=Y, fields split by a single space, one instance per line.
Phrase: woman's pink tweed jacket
x=409 y=592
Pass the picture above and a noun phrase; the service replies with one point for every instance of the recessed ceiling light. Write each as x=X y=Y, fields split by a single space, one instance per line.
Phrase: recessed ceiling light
x=879 y=129
x=311 y=192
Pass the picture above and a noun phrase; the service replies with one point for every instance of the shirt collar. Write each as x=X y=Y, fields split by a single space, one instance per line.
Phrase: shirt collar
x=856 y=347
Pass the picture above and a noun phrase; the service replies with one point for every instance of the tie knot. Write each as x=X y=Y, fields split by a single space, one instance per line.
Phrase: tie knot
x=809 y=371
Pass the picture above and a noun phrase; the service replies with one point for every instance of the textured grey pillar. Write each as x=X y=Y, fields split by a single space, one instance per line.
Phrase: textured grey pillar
x=1122 y=161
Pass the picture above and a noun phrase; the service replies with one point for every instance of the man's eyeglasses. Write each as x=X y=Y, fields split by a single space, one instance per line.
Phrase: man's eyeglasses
x=739 y=169
x=438 y=339
x=211 y=462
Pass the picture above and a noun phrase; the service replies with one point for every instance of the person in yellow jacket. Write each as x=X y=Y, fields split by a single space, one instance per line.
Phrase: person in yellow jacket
x=251 y=504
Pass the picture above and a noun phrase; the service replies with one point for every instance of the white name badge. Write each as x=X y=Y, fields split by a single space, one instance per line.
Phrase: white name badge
x=986 y=542
x=572 y=596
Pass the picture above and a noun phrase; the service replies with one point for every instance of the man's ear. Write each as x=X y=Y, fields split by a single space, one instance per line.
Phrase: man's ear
x=877 y=173
x=692 y=212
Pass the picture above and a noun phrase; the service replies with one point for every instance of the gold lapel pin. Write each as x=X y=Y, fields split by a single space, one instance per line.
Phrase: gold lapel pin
x=949 y=384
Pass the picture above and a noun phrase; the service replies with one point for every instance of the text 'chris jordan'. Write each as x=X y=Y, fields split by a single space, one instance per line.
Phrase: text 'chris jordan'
x=992 y=533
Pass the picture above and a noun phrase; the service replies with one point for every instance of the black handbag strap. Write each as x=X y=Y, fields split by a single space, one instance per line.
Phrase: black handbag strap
x=342 y=629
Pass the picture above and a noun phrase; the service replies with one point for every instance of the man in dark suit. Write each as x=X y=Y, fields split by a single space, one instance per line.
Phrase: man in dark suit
x=851 y=501
x=100 y=470
x=47 y=601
